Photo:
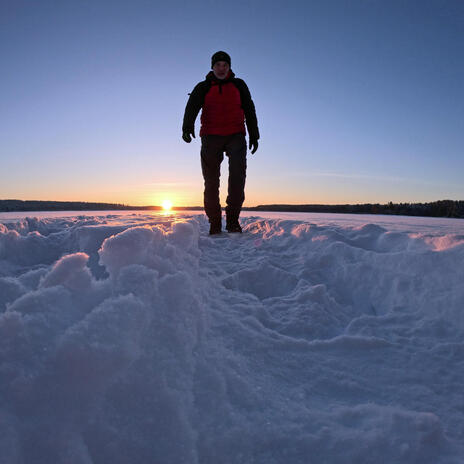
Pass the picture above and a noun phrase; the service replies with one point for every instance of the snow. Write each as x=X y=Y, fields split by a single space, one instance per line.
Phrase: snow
x=136 y=337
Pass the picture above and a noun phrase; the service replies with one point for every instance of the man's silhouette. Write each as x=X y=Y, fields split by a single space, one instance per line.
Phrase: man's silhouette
x=226 y=105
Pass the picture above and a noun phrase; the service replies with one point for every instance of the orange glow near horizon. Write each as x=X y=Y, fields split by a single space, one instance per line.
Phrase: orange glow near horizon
x=257 y=193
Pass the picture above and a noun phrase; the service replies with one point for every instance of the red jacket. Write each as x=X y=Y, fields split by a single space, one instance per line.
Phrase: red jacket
x=226 y=104
x=222 y=112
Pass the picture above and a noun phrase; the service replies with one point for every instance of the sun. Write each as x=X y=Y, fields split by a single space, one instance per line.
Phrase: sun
x=167 y=205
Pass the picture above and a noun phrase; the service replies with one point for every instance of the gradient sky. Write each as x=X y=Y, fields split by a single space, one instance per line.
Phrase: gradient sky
x=357 y=101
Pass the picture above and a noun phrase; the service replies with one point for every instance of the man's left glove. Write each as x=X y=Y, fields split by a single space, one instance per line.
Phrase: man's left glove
x=253 y=145
x=186 y=135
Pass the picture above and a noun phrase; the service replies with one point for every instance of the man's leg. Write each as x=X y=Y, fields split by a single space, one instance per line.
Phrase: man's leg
x=236 y=152
x=212 y=154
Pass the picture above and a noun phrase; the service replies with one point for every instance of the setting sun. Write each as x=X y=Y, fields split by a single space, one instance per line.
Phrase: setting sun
x=167 y=205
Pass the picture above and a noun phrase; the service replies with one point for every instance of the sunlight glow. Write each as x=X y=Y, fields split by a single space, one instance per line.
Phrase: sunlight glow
x=167 y=205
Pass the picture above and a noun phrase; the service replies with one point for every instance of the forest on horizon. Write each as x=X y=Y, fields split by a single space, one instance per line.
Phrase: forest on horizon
x=440 y=208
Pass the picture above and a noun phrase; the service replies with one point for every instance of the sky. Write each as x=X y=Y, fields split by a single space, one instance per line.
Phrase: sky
x=357 y=101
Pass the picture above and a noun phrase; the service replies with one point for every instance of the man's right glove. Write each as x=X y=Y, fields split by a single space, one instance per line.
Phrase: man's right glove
x=186 y=135
x=253 y=145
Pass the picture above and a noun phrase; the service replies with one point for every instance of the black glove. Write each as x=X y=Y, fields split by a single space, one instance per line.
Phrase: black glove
x=186 y=135
x=253 y=144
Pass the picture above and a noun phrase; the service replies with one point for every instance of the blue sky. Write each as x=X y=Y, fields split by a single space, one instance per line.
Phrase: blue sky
x=357 y=101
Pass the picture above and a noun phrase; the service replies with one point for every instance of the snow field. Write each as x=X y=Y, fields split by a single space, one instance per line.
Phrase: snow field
x=133 y=338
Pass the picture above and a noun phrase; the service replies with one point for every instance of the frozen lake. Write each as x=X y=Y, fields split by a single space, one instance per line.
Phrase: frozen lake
x=399 y=223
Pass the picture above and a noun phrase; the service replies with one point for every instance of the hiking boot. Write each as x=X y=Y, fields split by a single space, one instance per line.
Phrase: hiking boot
x=215 y=228
x=233 y=226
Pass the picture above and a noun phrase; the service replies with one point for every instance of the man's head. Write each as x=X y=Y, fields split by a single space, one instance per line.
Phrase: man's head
x=220 y=64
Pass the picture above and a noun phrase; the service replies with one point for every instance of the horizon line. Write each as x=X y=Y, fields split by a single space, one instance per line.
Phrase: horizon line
x=127 y=206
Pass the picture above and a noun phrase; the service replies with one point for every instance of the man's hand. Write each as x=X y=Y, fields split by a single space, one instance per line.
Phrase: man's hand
x=253 y=145
x=186 y=135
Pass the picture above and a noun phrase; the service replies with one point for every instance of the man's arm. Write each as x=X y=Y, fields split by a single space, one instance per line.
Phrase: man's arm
x=249 y=110
x=194 y=104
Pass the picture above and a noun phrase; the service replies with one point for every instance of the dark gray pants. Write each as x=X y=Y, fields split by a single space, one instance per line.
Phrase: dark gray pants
x=212 y=154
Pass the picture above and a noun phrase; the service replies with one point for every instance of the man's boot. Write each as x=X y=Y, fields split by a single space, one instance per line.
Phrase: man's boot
x=215 y=227
x=232 y=225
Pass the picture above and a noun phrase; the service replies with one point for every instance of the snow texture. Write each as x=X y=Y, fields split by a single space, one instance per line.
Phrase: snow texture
x=138 y=338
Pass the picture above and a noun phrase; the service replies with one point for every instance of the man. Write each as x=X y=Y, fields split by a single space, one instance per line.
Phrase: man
x=226 y=104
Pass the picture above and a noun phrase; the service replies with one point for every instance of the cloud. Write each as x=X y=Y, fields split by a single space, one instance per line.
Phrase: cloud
x=376 y=177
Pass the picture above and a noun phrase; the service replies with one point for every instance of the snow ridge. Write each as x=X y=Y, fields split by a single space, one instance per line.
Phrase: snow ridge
x=138 y=338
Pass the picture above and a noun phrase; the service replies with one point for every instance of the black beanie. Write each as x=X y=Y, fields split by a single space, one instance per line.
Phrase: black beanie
x=220 y=56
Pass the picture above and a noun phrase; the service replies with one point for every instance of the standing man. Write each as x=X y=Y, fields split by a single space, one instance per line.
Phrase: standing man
x=226 y=104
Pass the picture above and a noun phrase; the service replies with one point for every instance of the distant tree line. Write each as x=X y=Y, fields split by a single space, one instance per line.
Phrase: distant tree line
x=36 y=205
x=441 y=208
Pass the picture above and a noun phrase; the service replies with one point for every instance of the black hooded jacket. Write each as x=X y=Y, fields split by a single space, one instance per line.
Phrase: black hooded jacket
x=197 y=99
